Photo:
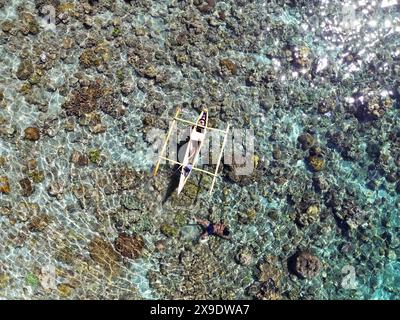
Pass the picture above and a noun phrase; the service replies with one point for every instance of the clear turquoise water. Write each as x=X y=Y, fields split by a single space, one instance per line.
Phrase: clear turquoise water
x=282 y=104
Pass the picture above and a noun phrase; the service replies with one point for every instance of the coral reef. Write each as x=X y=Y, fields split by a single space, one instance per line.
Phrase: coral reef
x=103 y=253
x=269 y=278
x=85 y=99
x=307 y=266
x=4 y=185
x=244 y=256
x=32 y=134
x=38 y=223
x=196 y=270
x=129 y=246
x=26 y=186
x=25 y=69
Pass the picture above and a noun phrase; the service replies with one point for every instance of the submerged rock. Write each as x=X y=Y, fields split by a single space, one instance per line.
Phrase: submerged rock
x=4 y=185
x=130 y=202
x=25 y=69
x=91 y=97
x=309 y=215
x=66 y=255
x=98 y=128
x=316 y=163
x=160 y=245
x=103 y=253
x=127 y=87
x=169 y=230
x=23 y=211
x=248 y=216
x=94 y=155
x=30 y=24
x=56 y=189
x=129 y=246
x=306 y=141
x=244 y=256
x=301 y=57
x=79 y=158
x=372 y=109
x=5 y=208
x=150 y=71
x=40 y=4
x=38 y=223
x=228 y=67
x=307 y=266
x=349 y=214
x=37 y=176
x=268 y=292
x=127 y=178
x=85 y=99
x=4 y=280
x=246 y=173
x=26 y=186
x=32 y=134
x=89 y=58
x=7 y=26
x=326 y=106
x=269 y=276
x=205 y=6
x=64 y=290
x=269 y=271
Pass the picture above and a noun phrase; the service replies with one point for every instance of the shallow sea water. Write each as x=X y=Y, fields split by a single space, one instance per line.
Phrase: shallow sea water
x=291 y=58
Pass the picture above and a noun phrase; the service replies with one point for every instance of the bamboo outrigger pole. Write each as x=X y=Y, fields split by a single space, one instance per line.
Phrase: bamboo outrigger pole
x=161 y=156
x=194 y=168
x=219 y=160
x=199 y=125
x=166 y=141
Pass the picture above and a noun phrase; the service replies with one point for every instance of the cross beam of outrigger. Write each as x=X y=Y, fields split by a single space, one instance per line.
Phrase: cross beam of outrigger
x=196 y=141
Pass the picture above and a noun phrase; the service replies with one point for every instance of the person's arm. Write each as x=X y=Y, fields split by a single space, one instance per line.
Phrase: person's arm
x=203 y=235
x=202 y=222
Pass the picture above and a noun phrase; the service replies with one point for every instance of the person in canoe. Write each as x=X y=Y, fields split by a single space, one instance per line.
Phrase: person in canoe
x=187 y=169
x=217 y=229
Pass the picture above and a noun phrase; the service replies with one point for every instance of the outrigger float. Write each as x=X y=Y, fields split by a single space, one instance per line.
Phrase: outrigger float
x=196 y=140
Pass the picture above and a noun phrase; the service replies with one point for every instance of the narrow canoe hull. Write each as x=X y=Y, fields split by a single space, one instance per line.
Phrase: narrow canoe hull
x=196 y=140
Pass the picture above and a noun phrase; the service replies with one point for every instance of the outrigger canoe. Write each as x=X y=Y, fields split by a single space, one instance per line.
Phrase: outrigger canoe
x=196 y=140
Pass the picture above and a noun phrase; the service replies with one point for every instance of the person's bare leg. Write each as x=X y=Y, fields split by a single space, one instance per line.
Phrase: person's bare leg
x=203 y=236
